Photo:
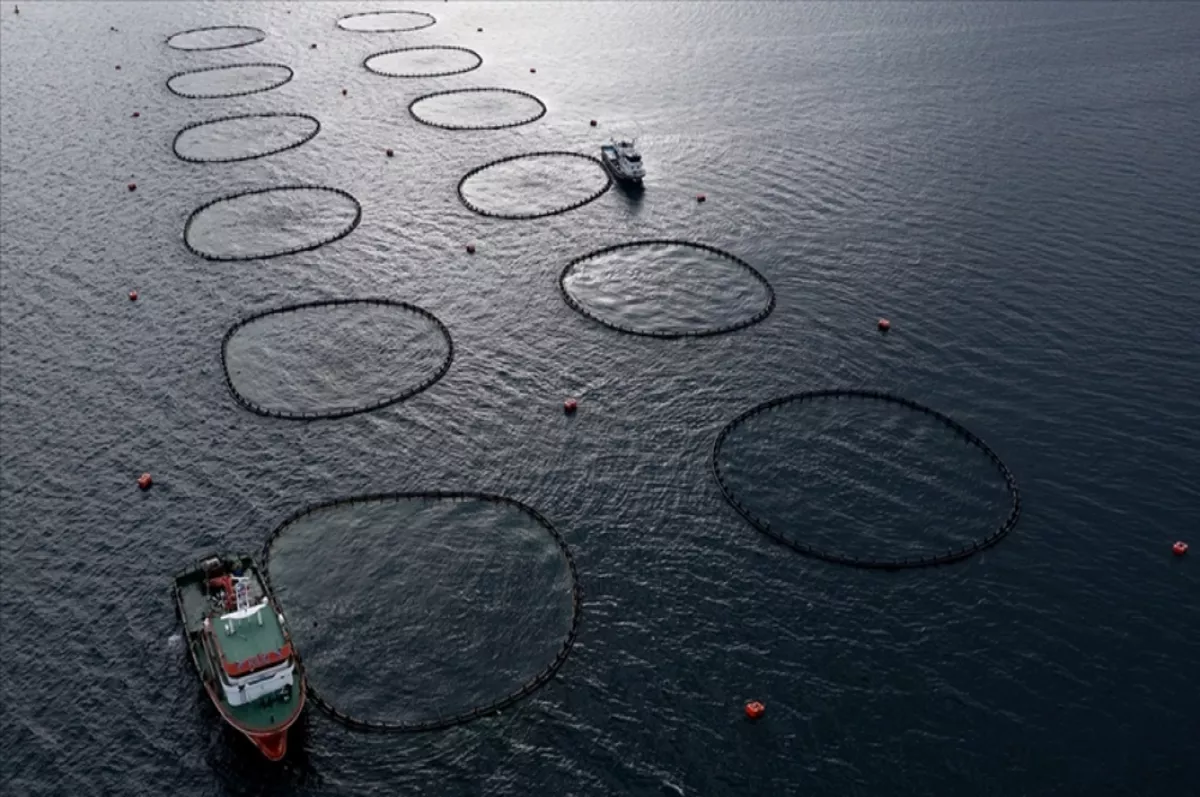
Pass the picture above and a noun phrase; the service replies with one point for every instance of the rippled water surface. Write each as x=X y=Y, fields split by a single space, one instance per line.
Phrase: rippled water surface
x=1013 y=185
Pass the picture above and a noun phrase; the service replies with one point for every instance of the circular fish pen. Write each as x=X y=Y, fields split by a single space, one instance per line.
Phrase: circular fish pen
x=422 y=611
x=805 y=482
x=270 y=222
x=428 y=61
x=229 y=139
x=481 y=101
x=231 y=80
x=386 y=21
x=665 y=288
x=282 y=363
x=537 y=173
x=215 y=37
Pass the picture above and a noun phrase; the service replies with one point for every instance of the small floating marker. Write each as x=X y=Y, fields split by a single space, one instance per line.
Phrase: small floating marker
x=479 y=30
x=470 y=249
x=593 y=123
x=884 y=325
x=755 y=710
x=701 y=198
x=389 y=152
x=1179 y=548
x=144 y=481
x=136 y=114
x=312 y=46
x=343 y=92
x=133 y=296
x=118 y=66
x=570 y=405
x=532 y=70
x=133 y=186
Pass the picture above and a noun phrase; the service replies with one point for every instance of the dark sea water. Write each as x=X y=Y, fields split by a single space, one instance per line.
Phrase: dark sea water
x=1015 y=185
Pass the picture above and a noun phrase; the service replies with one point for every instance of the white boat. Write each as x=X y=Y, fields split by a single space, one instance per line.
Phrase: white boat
x=623 y=161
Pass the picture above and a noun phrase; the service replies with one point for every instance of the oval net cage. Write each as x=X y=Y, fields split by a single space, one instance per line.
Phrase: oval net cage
x=865 y=478
x=334 y=358
x=216 y=37
x=477 y=109
x=533 y=185
x=229 y=80
x=427 y=610
x=228 y=139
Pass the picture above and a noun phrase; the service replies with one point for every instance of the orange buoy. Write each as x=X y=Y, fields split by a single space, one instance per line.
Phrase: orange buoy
x=570 y=405
x=754 y=710
x=701 y=198
x=133 y=296
x=1180 y=548
x=389 y=152
x=144 y=481
x=884 y=325
x=470 y=249
x=133 y=186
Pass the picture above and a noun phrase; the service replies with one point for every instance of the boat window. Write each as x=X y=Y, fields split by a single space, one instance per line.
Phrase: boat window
x=635 y=158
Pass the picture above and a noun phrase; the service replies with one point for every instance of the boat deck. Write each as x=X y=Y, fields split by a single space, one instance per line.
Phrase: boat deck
x=250 y=636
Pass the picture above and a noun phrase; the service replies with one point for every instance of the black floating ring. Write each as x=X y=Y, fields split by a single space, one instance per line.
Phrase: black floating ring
x=276 y=151
x=520 y=216
x=952 y=555
x=650 y=333
x=347 y=411
x=306 y=248
x=476 y=65
x=261 y=35
x=441 y=723
x=290 y=75
x=432 y=21
x=534 y=118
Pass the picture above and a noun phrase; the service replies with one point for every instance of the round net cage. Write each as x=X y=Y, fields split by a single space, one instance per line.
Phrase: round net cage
x=477 y=109
x=386 y=21
x=866 y=479
x=332 y=359
x=270 y=222
x=667 y=289
x=534 y=185
x=428 y=61
x=245 y=137
x=424 y=611
x=232 y=80
x=216 y=37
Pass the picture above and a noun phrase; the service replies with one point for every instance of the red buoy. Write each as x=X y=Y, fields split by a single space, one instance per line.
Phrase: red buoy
x=144 y=481
x=470 y=249
x=570 y=405
x=754 y=710
x=531 y=69
x=118 y=66
x=884 y=325
x=343 y=92
x=1179 y=548
x=389 y=152
x=133 y=186
x=593 y=123
x=136 y=114
x=701 y=198
x=133 y=296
